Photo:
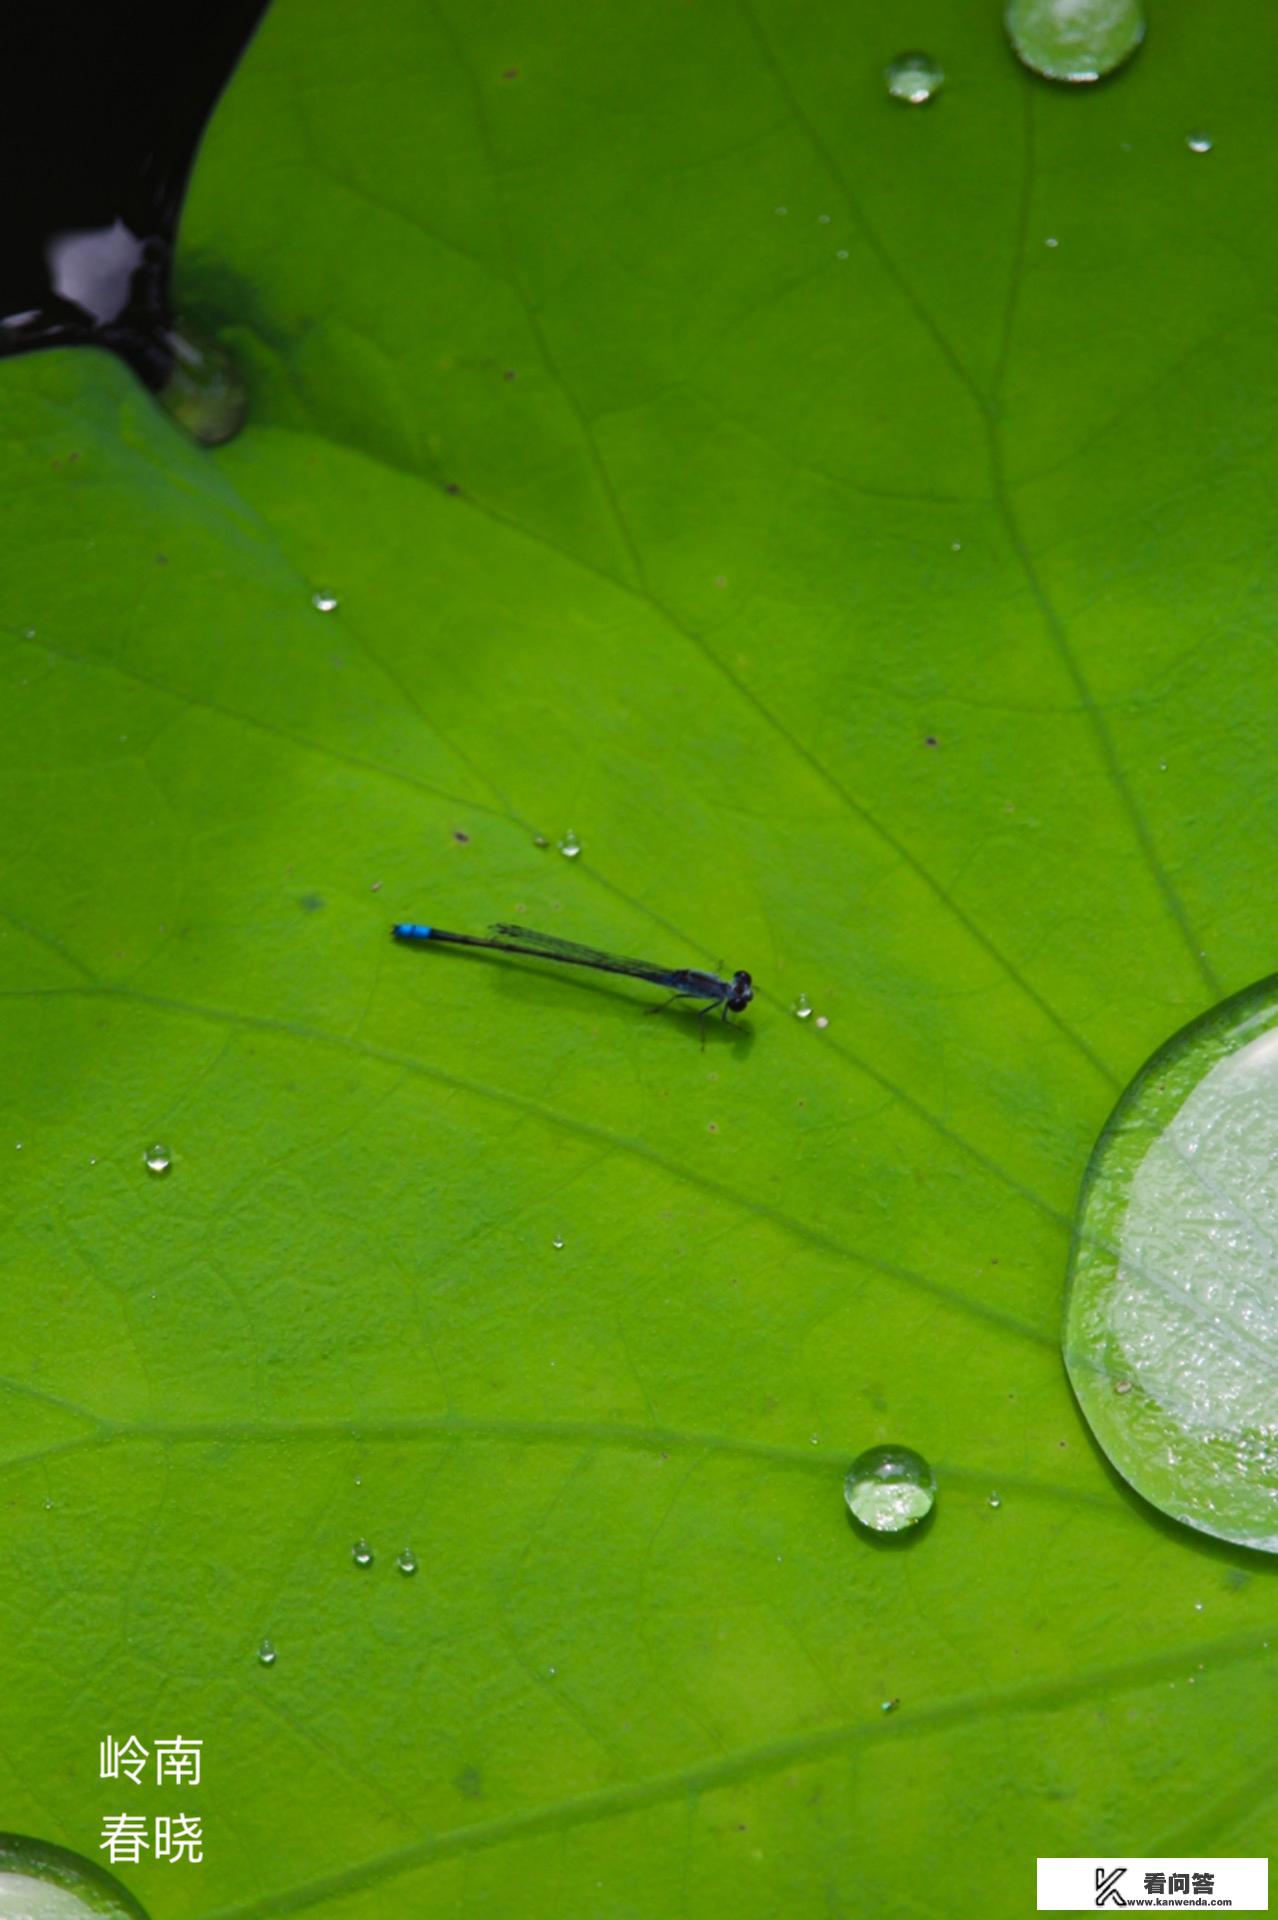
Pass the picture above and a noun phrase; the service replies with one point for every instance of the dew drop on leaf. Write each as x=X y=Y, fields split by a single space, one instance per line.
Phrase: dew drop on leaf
x=1075 y=40
x=570 y=845
x=802 y=1007
x=914 y=78
x=362 y=1554
x=324 y=602
x=1198 y=142
x=266 y=1653
x=1171 y=1322
x=406 y=1561
x=889 y=1488
x=158 y=1159
x=39 y=1881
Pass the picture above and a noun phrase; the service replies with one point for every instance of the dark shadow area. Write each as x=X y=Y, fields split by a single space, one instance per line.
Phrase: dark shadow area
x=101 y=111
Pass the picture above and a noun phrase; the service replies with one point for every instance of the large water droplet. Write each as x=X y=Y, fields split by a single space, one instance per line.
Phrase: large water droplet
x=1171 y=1326
x=406 y=1561
x=204 y=392
x=266 y=1653
x=802 y=1008
x=570 y=845
x=324 y=602
x=890 y=1488
x=1198 y=142
x=158 y=1159
x=914 y=78
x=1075 y=40
x=362 y=1554
x=39 y=1881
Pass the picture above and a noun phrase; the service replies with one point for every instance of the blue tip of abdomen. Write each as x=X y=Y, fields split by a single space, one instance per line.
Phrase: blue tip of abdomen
x=410 y=930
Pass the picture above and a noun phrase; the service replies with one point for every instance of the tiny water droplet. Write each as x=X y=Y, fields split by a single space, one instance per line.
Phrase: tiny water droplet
x=362 y=1554
x=266 y=1653
x=1051 y=241
x=324 y=602
x=558 y=1241
x=822 y=1020
x=842 y=254
x=551 y=1672
x=823 y=219
x=814 y=1439
x=781 y=209
x=956 y=546
x=914 y=78
x=889 y=1488
x=995 y=1500
x=1198 y=142
x=1122 y=1386
x=1198 y=1606
x=406 y=1561
x=158 y=1159
x=889 y=1706
x=570 y=845
x=540 y=840
x=802 y=1007
x=1074 y=40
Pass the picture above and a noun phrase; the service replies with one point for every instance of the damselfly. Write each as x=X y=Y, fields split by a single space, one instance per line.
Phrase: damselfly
x=685 y=983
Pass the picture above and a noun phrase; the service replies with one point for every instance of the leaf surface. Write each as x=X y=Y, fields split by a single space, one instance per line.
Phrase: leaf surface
x=708 y=454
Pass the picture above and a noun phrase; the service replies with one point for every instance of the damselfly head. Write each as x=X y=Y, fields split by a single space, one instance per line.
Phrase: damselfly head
x=742 y=993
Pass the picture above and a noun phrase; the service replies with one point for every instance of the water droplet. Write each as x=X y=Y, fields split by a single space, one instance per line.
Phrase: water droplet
x=823 y=219
x=1075 y=40
x=204 y=391
x=551 y=1672
x=1172 y=1286
x=822 y=1021
x=362 y=1554
x=914 y=78
x=781 y=209
x=842 y=254
x=814 y=1439
x=802 y=1007
x=558 y=1242
x=158 y=1159
x=889 y=1706
x=1051 y=241
x=39 y=1881
x=540 y=840
x=324 y=602
x=1198 y=142
x=266 y=1653
x=995 y=1500
x=890 y=1488
x=1198 y=1606
x=406 y=1561
x=570 y=845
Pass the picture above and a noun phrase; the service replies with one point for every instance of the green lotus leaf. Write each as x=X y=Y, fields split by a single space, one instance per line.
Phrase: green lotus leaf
x=712 y=457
